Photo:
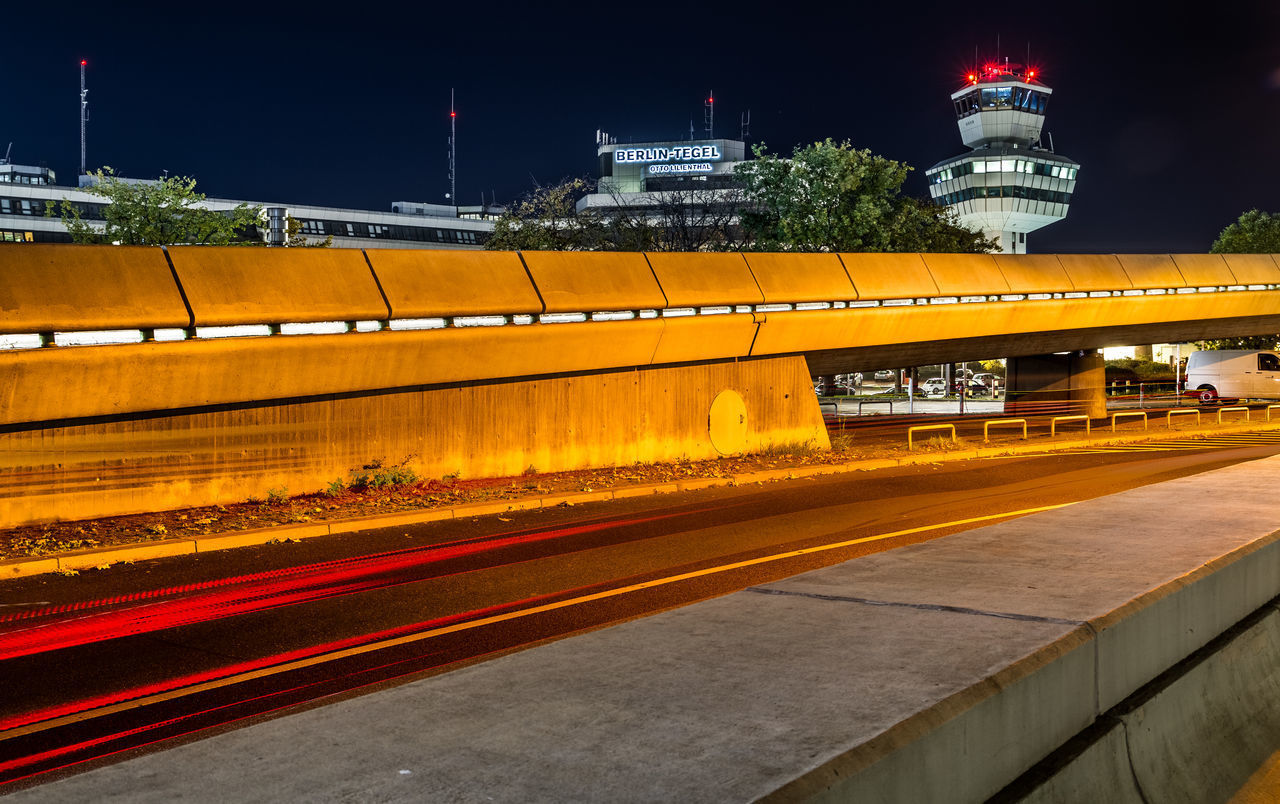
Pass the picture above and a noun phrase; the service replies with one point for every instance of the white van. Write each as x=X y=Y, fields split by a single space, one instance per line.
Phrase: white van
x=1233 y=374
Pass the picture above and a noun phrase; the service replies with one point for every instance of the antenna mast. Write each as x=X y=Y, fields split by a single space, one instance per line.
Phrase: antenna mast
x=84 y=113
x=744 y=125
x=710 y=115
x=453 y=151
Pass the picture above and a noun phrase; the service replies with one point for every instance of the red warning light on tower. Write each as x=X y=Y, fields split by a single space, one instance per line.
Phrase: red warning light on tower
x=83 y=62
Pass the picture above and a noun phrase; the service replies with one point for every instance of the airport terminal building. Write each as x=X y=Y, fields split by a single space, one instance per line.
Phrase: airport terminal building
x=26 y=190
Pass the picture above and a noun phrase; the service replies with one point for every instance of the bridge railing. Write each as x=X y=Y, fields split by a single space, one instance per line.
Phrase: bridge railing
x=45 y=289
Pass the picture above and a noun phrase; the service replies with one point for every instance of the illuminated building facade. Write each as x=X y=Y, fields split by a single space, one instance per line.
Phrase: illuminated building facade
x=649 y=175
x=25 y=191
x=1009 y=184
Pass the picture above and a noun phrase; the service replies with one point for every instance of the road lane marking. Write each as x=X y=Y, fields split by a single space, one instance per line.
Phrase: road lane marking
x=1183 y=445
x=492 y=620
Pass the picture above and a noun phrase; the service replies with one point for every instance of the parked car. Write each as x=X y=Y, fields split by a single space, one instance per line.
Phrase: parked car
x=884 y=375
x=933 y=385
x=971 y=387
x=988 y=380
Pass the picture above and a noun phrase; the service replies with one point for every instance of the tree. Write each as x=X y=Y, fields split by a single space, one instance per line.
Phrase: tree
x=294 y=238
x=831 y=196
x=1255 y=232
x=692 y=219
x=546 y=220
x=153 y=213
x=923 y=226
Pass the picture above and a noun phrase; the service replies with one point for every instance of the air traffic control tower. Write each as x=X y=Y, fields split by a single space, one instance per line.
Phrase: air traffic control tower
x=1009 y=184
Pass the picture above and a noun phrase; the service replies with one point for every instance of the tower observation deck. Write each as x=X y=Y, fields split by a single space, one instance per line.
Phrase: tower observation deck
x=1009 y=184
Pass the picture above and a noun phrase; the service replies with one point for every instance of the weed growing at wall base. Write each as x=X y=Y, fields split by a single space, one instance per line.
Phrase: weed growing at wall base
x=788 y=449
x=375 y=475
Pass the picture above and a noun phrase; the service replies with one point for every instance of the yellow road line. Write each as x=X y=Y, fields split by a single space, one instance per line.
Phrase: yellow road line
x=491 y=620
x=1181 y=445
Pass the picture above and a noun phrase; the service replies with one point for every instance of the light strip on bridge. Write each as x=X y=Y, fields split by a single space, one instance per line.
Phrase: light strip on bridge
x=114 y=337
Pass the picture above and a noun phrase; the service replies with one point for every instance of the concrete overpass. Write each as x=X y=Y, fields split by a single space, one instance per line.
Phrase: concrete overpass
x=486 y=363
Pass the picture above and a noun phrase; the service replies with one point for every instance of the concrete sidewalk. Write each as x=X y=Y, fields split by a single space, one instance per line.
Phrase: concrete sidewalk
x=939 y=671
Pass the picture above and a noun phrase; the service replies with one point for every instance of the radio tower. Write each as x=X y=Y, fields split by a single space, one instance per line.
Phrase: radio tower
x=453 y=151
x=710 y=116
x=84 y=113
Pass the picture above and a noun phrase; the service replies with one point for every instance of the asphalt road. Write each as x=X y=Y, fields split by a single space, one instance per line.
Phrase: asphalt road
x=134 y=658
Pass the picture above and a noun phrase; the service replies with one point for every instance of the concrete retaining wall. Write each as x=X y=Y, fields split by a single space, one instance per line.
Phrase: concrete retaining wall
x=164 y=460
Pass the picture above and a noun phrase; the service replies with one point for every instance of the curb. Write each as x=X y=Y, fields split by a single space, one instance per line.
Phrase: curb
x=101 y=558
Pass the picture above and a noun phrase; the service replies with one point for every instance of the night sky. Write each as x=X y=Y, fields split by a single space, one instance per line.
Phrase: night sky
x=1173 y=117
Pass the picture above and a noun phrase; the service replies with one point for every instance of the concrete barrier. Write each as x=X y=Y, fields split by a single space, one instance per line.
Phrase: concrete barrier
x=790 y=278
x=426 y=283
x=235 y=286
x=586 y=281
x=1204 y=270
x=889 y=276
x=47 y=288
x=1152 y=271
x=1098 y=770
x=1198 y=733
x=699 y=279
x=1090 y=272
x=1253 y=269
x=1033 y=273
x=966 y=274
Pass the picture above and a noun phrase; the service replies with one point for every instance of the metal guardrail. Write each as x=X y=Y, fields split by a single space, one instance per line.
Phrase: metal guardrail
x=1234 y=407
x=1142 y=413
x=888 y=402
x=1169 y=416
x=986 y=427
x=1142 y=392
x=1053 y=423
x=911 y=431
x=1269 y=408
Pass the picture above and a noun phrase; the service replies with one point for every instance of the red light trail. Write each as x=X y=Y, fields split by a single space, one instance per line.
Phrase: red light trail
x=186 y=605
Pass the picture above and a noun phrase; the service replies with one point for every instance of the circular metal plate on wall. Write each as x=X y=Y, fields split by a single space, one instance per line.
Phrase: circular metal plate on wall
x=727 y=423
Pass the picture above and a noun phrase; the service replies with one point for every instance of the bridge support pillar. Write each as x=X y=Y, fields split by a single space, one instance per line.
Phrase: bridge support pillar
x=1073 y=382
